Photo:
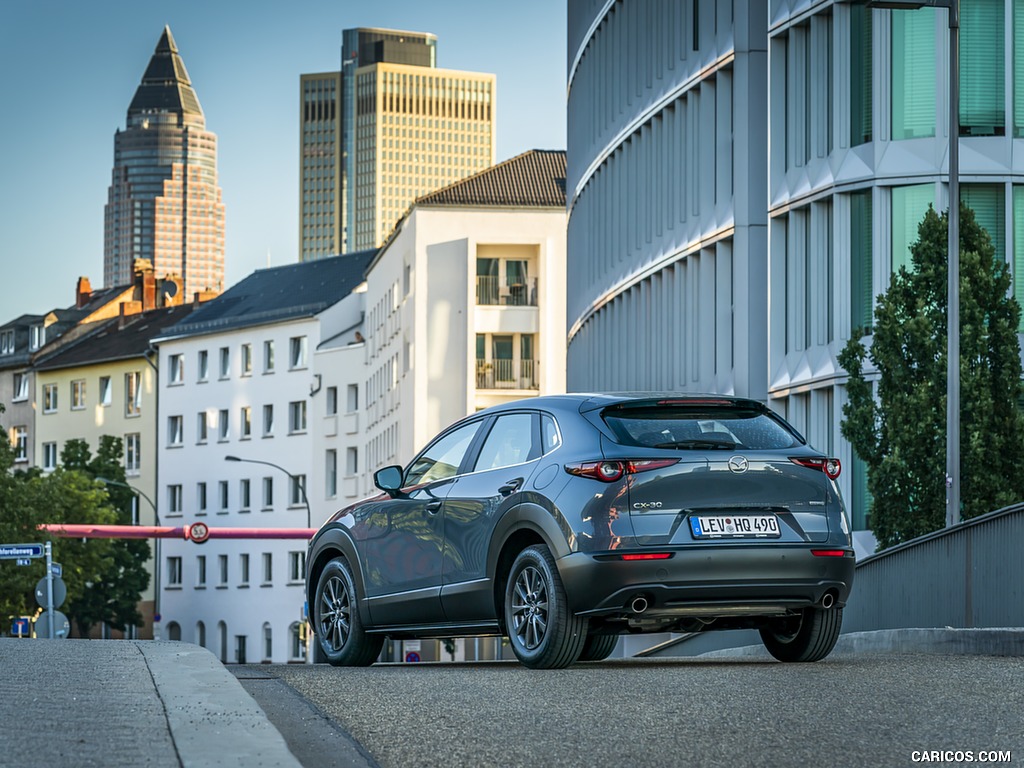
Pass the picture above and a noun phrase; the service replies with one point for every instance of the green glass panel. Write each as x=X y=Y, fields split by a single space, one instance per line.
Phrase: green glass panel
x=860 y=503
x=1018 y=68
x=860 y=259
x=860 y=74
x=1018 y=248
x=913 y=74
x=982 y=110
x=986 y=200
x=909 y=205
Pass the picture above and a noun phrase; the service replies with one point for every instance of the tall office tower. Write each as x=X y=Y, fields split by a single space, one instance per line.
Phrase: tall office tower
x=164 y=203
x=399 y=128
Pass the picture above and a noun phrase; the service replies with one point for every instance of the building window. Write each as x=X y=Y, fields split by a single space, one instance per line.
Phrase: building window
x=861 y=296
x=133 y=453
x=861 y=94
x=174 y=430
x=988 y=203
x=49 y=398
x=268 y=493
x=268 y=420
x=351 y=461
x=268 y=567
x=200 y=498
x=177 y=374
x=268 y=644
x=20 y=387
x=352 y=403
x=200 y=571
x=174 y=499
x=222 y=569
x=982 y=62
x=247 y=359
x=78 y=395
x=297 y=416
x=268 y=356
x=1017 y=263
x=243 y=569
x=174 y=572
x=132 y=394
x=913 y=74
x=332 y=401
x=225 y=362
x=296 y=566
x=37 y=337
x=7 y=342
x=225 y=498
x=202 y=427
x=296 y=490
x=203 y=366
x=297 y=352
x=331 y=473
x=246 y=425
x=19 y=441
x=222 y=424
x=244 y=495
x=105 y=391
x=49 y=456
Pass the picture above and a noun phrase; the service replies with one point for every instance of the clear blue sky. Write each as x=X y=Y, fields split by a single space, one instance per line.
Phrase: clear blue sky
x=69 y=69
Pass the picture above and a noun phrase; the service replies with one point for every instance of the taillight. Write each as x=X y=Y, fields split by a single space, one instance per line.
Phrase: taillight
x=610 y=471
x=831 y=467
x=647 y=556
x=829 y=552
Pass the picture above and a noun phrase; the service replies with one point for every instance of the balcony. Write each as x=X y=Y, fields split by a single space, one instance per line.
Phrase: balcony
x=506 y=374
x=498 y=291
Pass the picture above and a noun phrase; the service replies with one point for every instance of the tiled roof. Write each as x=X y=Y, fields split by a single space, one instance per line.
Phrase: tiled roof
x=108 y=342
x=278 y=293
x=533 y=179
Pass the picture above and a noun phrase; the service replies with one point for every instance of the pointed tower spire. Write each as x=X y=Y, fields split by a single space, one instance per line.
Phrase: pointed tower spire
x=165 y=86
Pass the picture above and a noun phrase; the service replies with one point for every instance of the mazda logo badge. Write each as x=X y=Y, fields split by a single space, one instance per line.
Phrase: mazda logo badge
x=739 y=464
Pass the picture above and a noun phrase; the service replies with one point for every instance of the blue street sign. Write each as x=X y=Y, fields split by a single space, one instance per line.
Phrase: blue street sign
x=20 y=551
x=21 y=627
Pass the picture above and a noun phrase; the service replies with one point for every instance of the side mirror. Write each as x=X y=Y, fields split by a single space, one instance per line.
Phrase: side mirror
x=388 y=479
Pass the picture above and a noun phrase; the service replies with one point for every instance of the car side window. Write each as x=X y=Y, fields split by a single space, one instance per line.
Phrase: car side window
x=549 y=435
x=509 y=442
x=442 y=458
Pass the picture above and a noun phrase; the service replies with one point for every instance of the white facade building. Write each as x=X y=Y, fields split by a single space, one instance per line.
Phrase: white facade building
x=238 y=379
x=465 y=306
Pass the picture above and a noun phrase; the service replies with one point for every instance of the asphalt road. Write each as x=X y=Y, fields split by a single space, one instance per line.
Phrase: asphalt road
x=863 y=710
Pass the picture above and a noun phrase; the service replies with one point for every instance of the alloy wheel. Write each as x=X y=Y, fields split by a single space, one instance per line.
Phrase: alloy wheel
x=335 y=610
x=530 y=607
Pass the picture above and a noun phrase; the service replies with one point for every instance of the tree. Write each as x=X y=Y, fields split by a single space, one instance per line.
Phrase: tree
x=899 y=431
x=28 y=499
x=116 y=589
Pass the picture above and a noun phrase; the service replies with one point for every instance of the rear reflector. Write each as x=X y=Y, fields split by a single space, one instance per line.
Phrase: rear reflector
x=610 y=471
x=648 y=556
x=829 y=552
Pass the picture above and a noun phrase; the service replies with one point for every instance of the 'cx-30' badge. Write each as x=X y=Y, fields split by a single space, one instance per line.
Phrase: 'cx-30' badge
x=739 y=464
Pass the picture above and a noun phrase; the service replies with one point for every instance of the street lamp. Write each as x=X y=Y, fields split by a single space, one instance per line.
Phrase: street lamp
x=299 y=482
x=953 y=285
x=156 y=546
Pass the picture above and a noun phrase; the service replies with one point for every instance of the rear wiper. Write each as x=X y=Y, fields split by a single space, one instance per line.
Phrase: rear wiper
x=708 y=444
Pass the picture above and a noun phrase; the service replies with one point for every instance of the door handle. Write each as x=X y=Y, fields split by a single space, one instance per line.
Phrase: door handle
x=433 y=507
x=510 y=487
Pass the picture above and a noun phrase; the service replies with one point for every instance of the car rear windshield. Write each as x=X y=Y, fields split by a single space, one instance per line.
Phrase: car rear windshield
x=699 y=428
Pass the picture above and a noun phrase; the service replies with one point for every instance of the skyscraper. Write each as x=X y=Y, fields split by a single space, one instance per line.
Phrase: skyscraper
x=164 y=203
x=387 y=128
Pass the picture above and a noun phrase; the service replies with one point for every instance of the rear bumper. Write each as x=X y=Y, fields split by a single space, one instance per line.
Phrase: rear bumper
x=707 y=581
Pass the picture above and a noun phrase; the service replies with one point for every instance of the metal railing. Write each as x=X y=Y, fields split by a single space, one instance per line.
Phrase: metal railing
x=506 y=374
x=493 y=290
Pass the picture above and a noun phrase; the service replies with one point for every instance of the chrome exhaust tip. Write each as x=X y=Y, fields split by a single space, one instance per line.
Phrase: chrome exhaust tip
x=639 y=604
x=828 y=600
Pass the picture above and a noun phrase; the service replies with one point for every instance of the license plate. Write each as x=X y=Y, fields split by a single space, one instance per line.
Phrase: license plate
x=734 y=526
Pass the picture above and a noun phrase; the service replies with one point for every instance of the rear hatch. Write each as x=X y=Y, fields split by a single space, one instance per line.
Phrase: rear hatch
x=734 y=480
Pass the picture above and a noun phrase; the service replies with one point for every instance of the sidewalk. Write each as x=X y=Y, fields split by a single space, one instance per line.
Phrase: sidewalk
x=128 y=703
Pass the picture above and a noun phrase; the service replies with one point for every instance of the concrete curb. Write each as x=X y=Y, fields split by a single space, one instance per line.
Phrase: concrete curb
x=212 y=719
x=998 y=641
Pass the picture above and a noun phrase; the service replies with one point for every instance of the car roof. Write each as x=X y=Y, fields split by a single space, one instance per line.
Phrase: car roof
x=590 y=401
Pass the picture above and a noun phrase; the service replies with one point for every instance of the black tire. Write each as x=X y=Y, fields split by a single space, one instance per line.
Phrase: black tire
x=339 y=631
x=809 y=637
x=598 y=647
x=543 y=633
